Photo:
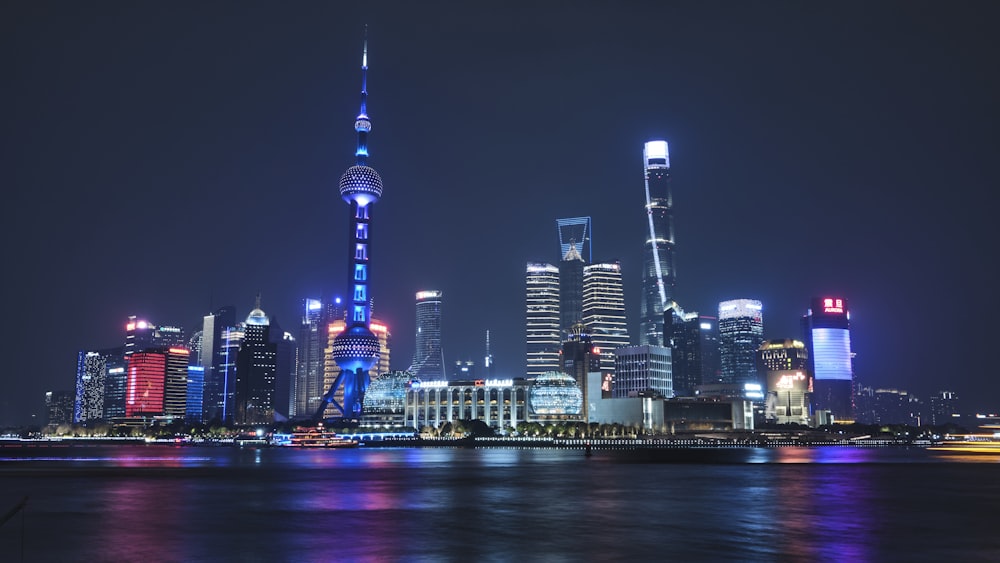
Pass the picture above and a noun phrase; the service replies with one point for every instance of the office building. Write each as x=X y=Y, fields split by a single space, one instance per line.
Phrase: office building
x=142 y=335
x=91 y=372
x=643 y=371
x=542 y=319
x=694 y=343
x=604 y=310
x=831 y=361
x=658 y=278
x=785 y=364
x=356 y=350
x=213 y=359
x=944 y=408
x=175 y=382
x=195 y=394
x=741 y=332
x=256 y=368
x=428 y=360
x=580 y=358
x=228 y=355
x=574 y=253
x=308 y=387
x=570 y=291
x=114 y=382
x=144 y=387
x=59 y=408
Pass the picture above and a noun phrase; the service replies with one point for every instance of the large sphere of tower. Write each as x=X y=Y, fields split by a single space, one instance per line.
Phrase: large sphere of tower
x=361 y=184
x=356 y=347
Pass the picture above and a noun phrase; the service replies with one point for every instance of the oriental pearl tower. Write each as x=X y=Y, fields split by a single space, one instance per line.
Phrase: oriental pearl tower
x=356 y=349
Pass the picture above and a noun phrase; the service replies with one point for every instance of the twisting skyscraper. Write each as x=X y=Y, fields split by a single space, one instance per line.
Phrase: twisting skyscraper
x=658 y=257
x=357 y=349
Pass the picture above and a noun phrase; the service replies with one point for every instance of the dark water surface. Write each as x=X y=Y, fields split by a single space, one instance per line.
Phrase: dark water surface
x=152 y=503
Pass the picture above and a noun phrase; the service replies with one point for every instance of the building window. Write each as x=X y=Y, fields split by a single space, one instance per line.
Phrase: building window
x=359 y=293
x=359 y=313
x=361 y=252
x=362 y=231
x=362 y=212
x=360 y=272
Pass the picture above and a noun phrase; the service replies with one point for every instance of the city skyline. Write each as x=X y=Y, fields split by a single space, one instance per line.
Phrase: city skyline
x=165 y=166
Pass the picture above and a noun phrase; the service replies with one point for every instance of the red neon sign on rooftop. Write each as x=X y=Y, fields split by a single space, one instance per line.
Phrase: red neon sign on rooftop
x=833 y=305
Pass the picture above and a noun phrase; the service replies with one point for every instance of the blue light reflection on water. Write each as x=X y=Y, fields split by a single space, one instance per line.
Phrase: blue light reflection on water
x=136 y=503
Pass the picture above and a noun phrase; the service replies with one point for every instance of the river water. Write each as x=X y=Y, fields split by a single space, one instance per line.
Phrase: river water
x=152 y=503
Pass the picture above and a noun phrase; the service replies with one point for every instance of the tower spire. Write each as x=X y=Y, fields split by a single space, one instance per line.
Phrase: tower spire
x=362 y=124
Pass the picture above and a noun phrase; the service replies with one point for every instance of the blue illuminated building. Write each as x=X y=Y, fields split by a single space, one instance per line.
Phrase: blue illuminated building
x=195 y=389
x=357 y=349
x=828 y=339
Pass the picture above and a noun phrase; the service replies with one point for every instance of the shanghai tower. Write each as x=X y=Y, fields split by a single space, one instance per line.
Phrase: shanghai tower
x=356 y=349
x=658 y=277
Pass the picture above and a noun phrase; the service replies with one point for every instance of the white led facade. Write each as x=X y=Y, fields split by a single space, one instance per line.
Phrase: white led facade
x=832 y=353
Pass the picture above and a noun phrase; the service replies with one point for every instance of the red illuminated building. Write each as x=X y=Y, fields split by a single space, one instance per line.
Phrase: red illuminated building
x=145 y=382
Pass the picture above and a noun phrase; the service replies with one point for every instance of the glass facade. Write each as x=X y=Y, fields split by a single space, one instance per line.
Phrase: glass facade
x=658 y=278
x=175 y=384
x=195 y=393
x=828 y=338
x=604 y=310
x=741 y=333
x=256 y=369
x=641 y=369
x=555 y=393
x=542 y=318
x=428 y=360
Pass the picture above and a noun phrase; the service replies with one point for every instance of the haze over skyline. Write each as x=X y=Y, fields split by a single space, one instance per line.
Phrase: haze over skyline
x=164 y=160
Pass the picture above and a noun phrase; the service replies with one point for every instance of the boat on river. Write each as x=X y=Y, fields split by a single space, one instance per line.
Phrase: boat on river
x=315 y=438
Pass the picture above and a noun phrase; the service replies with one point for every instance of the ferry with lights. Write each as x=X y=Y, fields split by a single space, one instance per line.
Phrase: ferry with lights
x=313 y=437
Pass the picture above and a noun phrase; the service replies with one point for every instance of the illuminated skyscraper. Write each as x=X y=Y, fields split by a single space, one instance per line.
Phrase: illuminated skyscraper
x=575 y=232
x=91 y=372
x=144 y=387
x=658 y=263
x=308 y=387
x=741 y=332
x=256 y=368
x=542 y=318
x=356 y=350
x=570 y=291
x=213 y=358
x=195 y=393
x=428 y=360
x=785 y=364
x=59 y=407
x=604 y=310
x=114 y=382
x=175 y=382
x=694 y=343
x=828 y=338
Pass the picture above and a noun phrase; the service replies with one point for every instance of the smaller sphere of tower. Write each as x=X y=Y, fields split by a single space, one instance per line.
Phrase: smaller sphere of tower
x=361 y=184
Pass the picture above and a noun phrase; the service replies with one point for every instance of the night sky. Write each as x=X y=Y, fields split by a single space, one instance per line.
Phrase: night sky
x=163 y=159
